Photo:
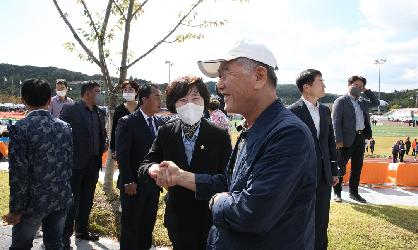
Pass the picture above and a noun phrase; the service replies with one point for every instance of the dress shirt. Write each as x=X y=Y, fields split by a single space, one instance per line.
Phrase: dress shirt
x=56 y=105
x=189 y=144
x=314 y=111
x=146 y=120
x=359 y=113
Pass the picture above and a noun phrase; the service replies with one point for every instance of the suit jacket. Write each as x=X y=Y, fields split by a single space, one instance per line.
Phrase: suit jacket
x=133 y=141
x=77 y=118
x=120 y=111
x=344 y=117
x=40 y=165
x=211 y=154
x=326 y=152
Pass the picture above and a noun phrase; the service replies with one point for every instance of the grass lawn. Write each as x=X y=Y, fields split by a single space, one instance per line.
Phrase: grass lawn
x=351 y=226
x=386 y=135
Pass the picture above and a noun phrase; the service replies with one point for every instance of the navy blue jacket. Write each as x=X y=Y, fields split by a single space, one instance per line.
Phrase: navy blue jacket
x=271 y=201
x=40 y=165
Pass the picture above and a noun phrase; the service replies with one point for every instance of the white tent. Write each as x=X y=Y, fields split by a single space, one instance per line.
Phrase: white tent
x=404 y=114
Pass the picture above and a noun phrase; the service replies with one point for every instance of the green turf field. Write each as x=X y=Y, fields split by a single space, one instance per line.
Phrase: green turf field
x=385 y=136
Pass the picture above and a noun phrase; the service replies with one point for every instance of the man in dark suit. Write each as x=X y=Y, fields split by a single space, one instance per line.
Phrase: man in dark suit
x=350 y=117
x=87 y=121
x=135 y=134
x=318 y=119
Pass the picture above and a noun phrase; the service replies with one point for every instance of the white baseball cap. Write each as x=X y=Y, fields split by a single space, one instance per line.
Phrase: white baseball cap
x=244 y=48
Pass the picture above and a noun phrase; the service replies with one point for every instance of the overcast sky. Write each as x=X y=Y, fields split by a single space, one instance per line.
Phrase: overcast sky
x=339 y=38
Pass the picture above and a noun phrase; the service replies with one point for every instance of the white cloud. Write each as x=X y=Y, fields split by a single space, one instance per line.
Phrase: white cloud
x=397 y=15
x=339 y=52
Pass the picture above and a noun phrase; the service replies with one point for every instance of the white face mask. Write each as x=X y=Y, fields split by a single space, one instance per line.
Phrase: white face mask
x=61 y=93
x=190 y=113
x=128 y=96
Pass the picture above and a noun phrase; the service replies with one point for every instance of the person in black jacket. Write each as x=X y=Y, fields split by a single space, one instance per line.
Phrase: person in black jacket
x=129 y=106
x=395 y=151
x=318 y=119
x=195 y=145
x=408 y=145
x=401 y=150
x=87 y=121
x=135 y=134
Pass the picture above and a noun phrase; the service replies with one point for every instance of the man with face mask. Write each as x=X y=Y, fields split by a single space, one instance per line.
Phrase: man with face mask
x=58 y=101
x=350 y=117
x=135 y=134
x=87 y=121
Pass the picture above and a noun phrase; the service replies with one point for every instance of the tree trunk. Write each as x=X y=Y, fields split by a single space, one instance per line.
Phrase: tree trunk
x=110 y=162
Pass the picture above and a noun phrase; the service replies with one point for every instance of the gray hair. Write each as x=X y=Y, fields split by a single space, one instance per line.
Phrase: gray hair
x=249 y=65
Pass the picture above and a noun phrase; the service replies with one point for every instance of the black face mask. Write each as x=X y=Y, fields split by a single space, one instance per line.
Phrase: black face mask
x=354 y=91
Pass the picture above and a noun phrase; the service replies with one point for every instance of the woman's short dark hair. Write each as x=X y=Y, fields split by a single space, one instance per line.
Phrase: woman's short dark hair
x=355 y=78
x=180 y=87
x=36 y=92
x=133 y=84
x=307 y=77
x=145 y=91
x=214 y=104
x=85 y=86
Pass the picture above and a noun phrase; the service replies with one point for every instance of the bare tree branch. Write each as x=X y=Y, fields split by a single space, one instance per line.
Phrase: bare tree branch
x=89 y=16
x=106 y=18
x=139 y=7
x=100 y=43
x=119 y=9
x=87 y=50
x=168 y=35
x=123 y=69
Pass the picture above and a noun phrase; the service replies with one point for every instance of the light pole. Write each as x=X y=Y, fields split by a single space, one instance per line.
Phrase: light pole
x=169 y=70
x=20 y=89
x=379 y=62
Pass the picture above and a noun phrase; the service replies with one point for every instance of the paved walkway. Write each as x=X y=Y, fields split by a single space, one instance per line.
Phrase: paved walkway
x=102 y=244
x=374 y=195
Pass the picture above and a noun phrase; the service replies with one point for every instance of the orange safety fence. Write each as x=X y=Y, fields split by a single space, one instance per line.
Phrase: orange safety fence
x=12 y=115
x=380 y=173
x=4 y=150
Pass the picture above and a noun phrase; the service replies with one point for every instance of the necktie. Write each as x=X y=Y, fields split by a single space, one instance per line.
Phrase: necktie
x=151 y=127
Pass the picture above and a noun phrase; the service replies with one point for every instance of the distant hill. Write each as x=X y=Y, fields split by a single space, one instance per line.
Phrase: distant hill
x=288 y=93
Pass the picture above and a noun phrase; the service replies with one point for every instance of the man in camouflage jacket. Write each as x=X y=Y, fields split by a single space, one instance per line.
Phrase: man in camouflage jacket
x=40 y=165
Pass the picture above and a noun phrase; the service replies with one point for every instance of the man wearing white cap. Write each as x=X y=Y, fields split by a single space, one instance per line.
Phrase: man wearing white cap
x=266 y=197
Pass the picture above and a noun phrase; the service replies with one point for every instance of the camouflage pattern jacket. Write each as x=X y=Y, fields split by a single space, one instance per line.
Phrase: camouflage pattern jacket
x=40 y=165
